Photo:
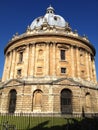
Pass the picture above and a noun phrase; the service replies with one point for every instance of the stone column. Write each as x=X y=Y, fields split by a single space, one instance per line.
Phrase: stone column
x=47 y=59
x=26 y=62
x=94 y=72
x=29 y=59
x=54 y=58
x=72 y=62
x=32 y=60
x=90 y=67
x=78 y=62
x=12 y=65
x=87 y=66
x=35 y=60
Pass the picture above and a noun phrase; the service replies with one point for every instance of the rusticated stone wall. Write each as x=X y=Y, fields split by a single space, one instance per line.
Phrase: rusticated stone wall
x=51 y=101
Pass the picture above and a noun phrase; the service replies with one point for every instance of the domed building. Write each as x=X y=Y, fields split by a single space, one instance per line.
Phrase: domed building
x=49 y=69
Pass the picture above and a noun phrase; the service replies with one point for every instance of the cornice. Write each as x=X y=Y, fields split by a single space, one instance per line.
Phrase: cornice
x=26 y=36
x=70 y=82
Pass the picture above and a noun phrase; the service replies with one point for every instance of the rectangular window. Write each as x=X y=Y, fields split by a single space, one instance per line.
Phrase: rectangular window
x=19 y=72
x=62 y=54
x=20 y=57
x=63 y=70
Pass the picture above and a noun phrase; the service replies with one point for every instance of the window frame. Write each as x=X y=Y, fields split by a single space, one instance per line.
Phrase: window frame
x=20 y=56
x=62 y=55
x=66 y=101
x=63 y=70
x=12 y=101
x=19 y=72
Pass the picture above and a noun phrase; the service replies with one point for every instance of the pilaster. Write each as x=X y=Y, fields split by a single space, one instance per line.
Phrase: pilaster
x=78 y=62
x=26 y=56
x=87 y=66
x=32 y=60
x=29 y=60
x=47 y=59
x=54 y=58
x=90 y=67
x=35 y=60
x=12 y=65
x=72 y=62
x=94 y=71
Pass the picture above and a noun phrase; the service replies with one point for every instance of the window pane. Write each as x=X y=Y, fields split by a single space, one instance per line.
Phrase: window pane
x=19 y=72
x=20 y=57
x=63 y=70
x=62 y=54
x=66 y=101
x=12 y=101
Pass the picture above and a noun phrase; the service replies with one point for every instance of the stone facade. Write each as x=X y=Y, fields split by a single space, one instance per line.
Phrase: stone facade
x=49 y=69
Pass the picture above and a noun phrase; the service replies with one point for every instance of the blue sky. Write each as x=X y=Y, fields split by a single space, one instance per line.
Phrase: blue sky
x=16 y=15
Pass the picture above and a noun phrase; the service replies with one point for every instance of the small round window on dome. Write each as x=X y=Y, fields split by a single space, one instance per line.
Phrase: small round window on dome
x=55 y=18
x=38 y=20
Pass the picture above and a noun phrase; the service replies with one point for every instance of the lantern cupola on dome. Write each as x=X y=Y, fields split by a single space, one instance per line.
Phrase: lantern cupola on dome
x=51 y=18
x=50 y=9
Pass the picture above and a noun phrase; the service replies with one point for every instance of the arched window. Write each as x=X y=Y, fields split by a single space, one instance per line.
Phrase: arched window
x=37 y=99
x=88 y=102
x=66 y=101
x=12 y=101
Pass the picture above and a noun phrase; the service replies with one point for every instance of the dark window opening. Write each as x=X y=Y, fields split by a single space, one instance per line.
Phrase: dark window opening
x=19 y=72
x=20 y=57
x=38 y=20
x=12 y=101
x=62 y=54
x=66 y=101
x=55 y=18
x=63 y=70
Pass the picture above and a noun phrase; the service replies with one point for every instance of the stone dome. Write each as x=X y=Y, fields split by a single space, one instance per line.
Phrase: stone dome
x=51 y=18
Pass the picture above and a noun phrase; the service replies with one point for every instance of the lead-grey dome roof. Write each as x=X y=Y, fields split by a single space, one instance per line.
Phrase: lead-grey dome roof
x=50 y=17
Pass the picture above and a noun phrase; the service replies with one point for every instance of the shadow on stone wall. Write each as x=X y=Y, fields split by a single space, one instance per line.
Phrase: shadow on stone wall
x=72 y=124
